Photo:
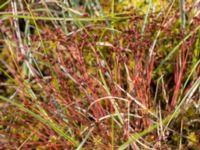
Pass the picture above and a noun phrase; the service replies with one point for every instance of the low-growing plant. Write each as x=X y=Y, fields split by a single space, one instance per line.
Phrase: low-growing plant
x=81 y=78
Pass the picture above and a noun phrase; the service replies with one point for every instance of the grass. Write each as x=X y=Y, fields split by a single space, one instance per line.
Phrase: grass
x=99 y=75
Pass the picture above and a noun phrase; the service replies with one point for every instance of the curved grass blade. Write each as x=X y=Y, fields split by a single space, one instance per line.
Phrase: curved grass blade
x=166 y=121
x=52 y=125
x=176 y=48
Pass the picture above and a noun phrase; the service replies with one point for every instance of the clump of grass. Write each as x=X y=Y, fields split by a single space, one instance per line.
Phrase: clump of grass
x=82 y=79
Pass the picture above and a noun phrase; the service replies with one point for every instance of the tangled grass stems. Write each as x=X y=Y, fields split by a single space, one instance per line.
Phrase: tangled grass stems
x=103 y=76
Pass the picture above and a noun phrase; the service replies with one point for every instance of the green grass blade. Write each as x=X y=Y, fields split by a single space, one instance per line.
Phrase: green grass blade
x=52 y=125
x=146 y=17
x=176 y=48
x=166 y=121
x=4 y=4
x=183 y=18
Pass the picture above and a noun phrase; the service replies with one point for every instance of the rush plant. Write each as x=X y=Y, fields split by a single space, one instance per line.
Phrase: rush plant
x=97 y=75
